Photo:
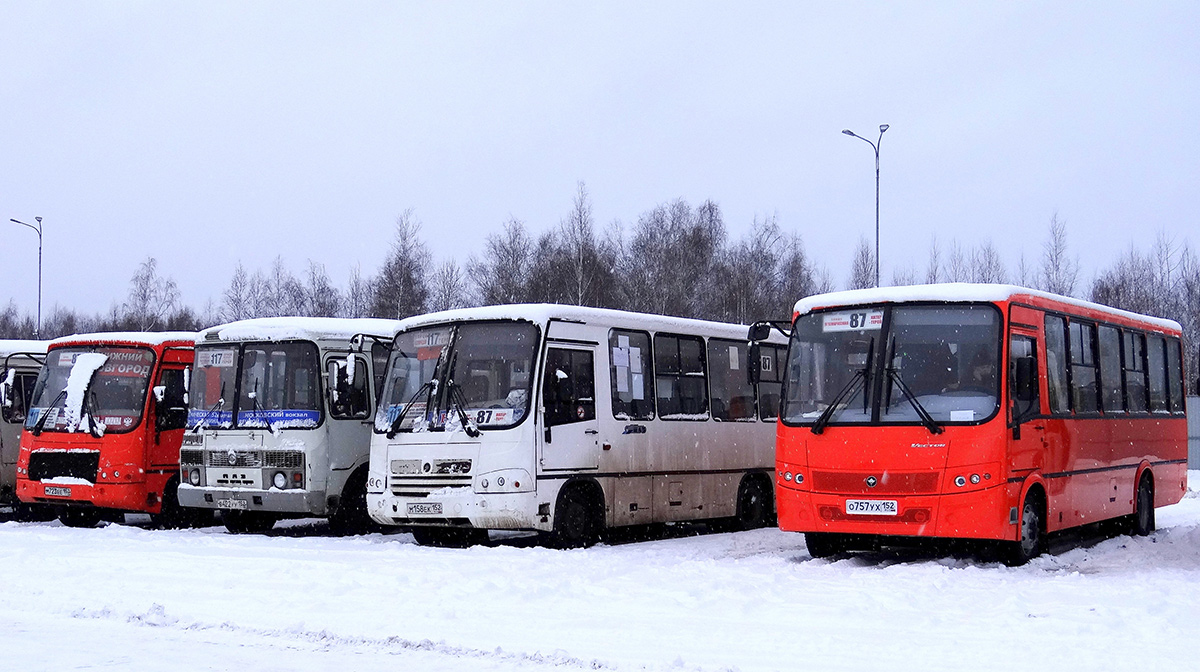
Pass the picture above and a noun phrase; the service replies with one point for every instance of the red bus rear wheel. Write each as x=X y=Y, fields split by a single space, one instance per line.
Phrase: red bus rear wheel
x=1143 y=515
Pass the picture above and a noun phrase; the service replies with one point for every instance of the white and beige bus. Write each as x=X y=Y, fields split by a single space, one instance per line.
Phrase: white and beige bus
x=568 y=421
x=20 y=362
x=279 y=418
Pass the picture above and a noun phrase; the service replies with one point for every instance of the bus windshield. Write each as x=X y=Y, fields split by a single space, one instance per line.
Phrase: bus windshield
x=933 y=364
x=116 y=396
x=480 y=368
x=256 y=384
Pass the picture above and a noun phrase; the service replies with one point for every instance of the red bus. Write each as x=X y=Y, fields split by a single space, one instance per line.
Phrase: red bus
x=897 y=422
x=104 y=426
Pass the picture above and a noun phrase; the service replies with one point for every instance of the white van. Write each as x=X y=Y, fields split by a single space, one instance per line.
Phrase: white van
x=568 y=421
x=280 y=415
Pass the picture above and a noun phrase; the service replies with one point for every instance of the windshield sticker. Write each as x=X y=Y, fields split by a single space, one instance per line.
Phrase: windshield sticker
x=209 y=418
x=218 y=358
x=286 y=416
x=858 y=320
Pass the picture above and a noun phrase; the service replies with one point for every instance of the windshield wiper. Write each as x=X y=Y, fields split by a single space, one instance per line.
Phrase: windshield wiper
x=860 y=376
x=215 y=407
x=894 y=377
x=260 y=411
x=395 y=426
x=92 y=406
x=459 y=403
x=40 y=425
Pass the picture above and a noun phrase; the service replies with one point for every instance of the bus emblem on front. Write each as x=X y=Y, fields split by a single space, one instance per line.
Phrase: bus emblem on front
x=872 y=481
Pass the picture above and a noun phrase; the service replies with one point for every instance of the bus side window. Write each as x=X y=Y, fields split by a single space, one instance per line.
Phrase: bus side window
x=1156 y=366
x=680 y=381
x=1134 y=363
x=172 y=411
x=770 y=382
x=349 y=400
x=568 y=387
x=631 y=375
x=732 y=397
x=18 y=397
x=1056 y=364
x=1084 y=397
x=1175 y=375
x=1111 y=396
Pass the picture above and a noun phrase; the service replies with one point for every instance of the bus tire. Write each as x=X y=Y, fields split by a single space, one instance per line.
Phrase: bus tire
x=351 y=515
x=754 y=503
x=1143 y=512
x=1032 y=530
x=449 y=537
x=247 y=522
x=824 y=544
x=171 y=515
x=578 y=518
x=77 y=516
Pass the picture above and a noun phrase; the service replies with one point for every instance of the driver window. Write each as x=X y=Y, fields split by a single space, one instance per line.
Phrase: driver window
x=348 y=399
x=173 y=409
x=568 y=387
x=1022 y=347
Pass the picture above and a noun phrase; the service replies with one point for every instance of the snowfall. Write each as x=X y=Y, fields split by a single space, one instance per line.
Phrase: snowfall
x=127 y=597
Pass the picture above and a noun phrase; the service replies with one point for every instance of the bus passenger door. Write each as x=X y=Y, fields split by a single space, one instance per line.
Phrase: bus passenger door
x=570 y=434
x=1028 y=446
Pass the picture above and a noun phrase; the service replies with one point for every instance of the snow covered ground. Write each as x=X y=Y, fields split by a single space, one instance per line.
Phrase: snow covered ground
x=126 y=598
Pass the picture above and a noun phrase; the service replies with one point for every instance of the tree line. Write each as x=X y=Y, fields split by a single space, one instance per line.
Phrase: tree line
x=675 y=259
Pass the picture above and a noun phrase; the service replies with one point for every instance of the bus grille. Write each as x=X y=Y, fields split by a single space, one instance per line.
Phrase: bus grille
x=46 y=465
x=191 y=457
x=853 y=483
x=284 y=459
x=236 y=458
x=421 y=486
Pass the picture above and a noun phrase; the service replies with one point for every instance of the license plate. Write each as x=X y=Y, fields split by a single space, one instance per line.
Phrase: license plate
x=424 y=508
x=54 y=491
x=237 y=504
x=871 y=507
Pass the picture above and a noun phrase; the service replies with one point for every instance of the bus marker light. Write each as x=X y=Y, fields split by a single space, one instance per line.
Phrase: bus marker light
x=484 y=483
x=960 y=481
x=787 y=475
x=799 y=477
x=297 y=477
x=974 y=479
x=500 y=481
x=516 y=484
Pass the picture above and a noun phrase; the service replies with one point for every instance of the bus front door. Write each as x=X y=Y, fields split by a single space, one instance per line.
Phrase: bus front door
x=570 y=436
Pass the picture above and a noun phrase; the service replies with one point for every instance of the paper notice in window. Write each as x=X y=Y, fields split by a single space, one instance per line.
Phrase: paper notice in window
x=635 y=360
x=622 y=374
x=639 y=387
x=734 y=363
x=623 y=342
x=620 y=357
x=962 y=416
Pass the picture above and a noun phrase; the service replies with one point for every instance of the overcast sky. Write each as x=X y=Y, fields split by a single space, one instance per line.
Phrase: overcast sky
x=205 y=133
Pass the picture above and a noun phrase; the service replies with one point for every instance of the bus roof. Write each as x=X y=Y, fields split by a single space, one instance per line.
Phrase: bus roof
x=151 y=338
x=542 y=312
x=9 y=346
x=961 y=291
x=299 y=328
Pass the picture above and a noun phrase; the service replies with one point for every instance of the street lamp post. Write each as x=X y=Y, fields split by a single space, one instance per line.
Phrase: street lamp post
x=875 y=146
x=37 y=332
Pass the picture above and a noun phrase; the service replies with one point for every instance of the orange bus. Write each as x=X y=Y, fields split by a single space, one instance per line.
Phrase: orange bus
x=104 y=426
x=896 y=420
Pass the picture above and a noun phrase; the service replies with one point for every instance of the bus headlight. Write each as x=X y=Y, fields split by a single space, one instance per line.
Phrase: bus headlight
x=279 y=480
x=194 y=477
x=960 y=481
x=787 y=476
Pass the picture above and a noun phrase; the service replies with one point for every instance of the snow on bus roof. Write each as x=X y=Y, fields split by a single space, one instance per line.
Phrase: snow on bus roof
x=306 y=328
x=541 y=312
x=135 y=337
x=958 y=291
x=9 y=346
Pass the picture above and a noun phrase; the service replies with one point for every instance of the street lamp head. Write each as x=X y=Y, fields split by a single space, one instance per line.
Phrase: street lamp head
x=882 y=128
x=39 y=219
x=848 y=131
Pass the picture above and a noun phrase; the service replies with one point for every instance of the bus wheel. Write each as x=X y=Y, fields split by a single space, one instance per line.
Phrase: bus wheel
x=1143 y=515
x=32 y=513
x=449 y=537
x=351 y=515
x=244 y=522
x=1033 y=533
x=577 y=521
x=754 y=504
x=824 y=544
x=79 y=517
x=171 y=516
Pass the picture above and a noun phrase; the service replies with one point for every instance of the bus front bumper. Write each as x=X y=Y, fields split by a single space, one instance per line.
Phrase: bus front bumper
x=120 y=496
x=979 y=514
x=308 y=502
x=460 y=507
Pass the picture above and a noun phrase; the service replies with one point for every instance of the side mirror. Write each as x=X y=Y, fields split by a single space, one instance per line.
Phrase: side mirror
x=1026 y=384
x=754 y=366
x=759 y=331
